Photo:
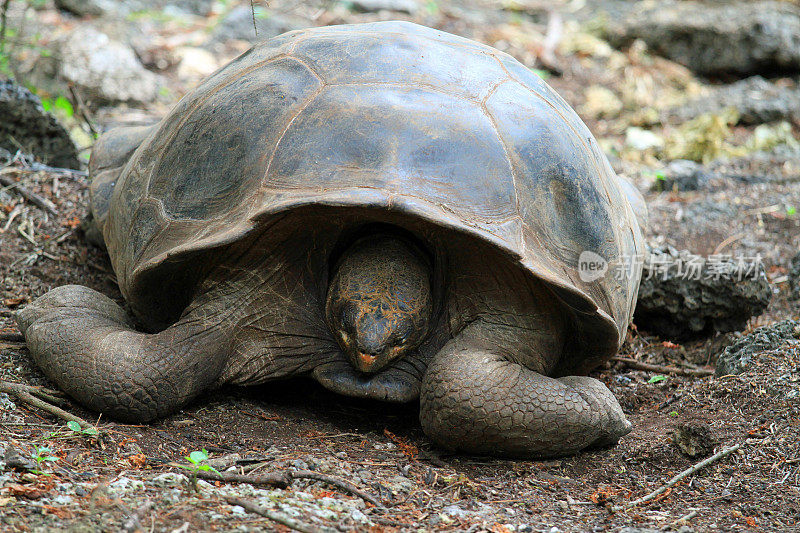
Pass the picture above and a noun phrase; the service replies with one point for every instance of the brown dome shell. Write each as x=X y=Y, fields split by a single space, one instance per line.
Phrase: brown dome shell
x=389 y=115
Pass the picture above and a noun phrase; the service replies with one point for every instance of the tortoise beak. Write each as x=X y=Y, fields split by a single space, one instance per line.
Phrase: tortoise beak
x=371 y=363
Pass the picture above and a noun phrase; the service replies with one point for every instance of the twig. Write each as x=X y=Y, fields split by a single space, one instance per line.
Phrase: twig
x=253 y=12
x=726 y=242
x=279 y=480
x=44 y=203
x=638 y=365
x=283 y=479
x=82 y=109
x=279 y=518
x=685 y=518
x=26 y=392
x=339 y=483
x=48 y=395
x=12 y=337
x=41 y=167
x=688 y=472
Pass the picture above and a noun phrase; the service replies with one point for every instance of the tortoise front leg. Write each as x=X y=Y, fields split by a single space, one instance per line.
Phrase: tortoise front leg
x=85 y=343
x=477 y=401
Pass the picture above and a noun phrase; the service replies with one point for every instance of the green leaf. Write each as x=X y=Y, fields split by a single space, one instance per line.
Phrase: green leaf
x=51 y=458
x=657 y=379
x=47 y=104
x=660 y=176
x=64 y=105
x=74 y=426
x=791 y=210
x=90 y=431
x=198 y=457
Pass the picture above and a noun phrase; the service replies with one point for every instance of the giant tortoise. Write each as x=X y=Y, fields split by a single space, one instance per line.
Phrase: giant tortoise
x=392 y=210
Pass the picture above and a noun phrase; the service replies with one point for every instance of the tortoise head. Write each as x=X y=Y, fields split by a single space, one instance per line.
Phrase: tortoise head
x=379 y=302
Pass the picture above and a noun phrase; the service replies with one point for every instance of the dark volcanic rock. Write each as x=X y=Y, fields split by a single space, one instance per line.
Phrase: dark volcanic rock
x=17 y=461
x=683 y=295
x=238 y=24
x=683 y=175
x=737 y=357
x=84 y=8
x=694 y=439
x=756 y=100
x=25 y=125
x=710 y=38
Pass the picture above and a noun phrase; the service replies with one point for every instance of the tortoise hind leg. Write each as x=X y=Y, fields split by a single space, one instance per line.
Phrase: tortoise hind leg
x=85 y=342
x=477 y=401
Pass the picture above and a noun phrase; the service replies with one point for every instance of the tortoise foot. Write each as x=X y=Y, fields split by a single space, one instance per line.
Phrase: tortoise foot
x=85 y=342
x=478 y=402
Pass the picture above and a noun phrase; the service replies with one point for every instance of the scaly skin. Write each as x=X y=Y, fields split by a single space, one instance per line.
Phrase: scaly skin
x=85 y=342
x=477 y=401
x=487 y=390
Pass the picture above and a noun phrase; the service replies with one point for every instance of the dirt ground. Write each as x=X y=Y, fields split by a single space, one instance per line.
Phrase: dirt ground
x=127 y=480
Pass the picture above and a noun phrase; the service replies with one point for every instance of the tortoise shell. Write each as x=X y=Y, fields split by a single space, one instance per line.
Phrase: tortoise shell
x=390 y=116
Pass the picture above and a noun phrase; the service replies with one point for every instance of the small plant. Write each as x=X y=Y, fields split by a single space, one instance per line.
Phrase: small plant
x=76 y=428
x=198 y=459
x=657 y=379
x=791 y=210
x=60 y=105
x=42 y=456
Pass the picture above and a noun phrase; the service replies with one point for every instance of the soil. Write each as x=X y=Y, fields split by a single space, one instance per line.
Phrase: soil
x=127 y=480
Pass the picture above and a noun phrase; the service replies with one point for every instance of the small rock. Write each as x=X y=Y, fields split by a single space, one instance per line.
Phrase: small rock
x=737 y=357
x=755 y=99
x=400 y=484
x=694 y=439
x=371 y=6
x=195 y=62
x=238 y=510
x=26 y=122
x=5 y=402
x=124 y=485
x=721 y=37
x=299 y=464
x=104 y=70
x=238 y=25
x=794 y=278
x=641 y=139
x=683 y=295
x=84 y=8
x=456 y=512
x=62 y=499
x=359 y=517
x=683 y=175
x=17 y=461
x=169 y=479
